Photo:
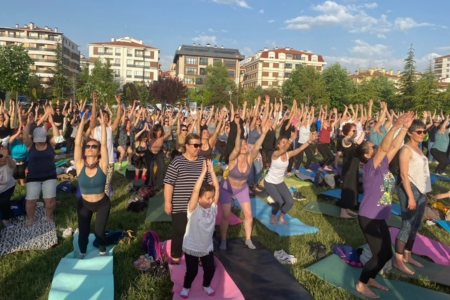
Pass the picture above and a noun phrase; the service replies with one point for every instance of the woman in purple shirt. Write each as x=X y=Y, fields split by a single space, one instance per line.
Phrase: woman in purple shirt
x=376 y=205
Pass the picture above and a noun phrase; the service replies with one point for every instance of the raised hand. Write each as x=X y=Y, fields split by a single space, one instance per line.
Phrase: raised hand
x=210 y=166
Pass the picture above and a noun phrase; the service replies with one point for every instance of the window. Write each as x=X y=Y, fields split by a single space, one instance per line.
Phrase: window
x=129 y=52
x=298 y=66
x=116 y=73
x=314 y=58
x=117 y=61
x=202 y=71
x=189 y=80
x=146 y=74
x=191 y=60
x=289 y=56
x=147 y=64
x=230 y=63
x=448 y=65
x=191 y=71
x=232 y=73
x=118 y=51
x=203 y=61
x=129 y=62
x=288 y=66
x=129 y=73
x=199 y=81
x=216 y=60
x=287 y=75
x=138 y=73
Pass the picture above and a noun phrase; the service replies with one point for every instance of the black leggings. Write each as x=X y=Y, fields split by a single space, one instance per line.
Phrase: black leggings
x=378 y=237
x=442 y=159
x=85 y=212
x=19 y=171
x=299 y=158
x=179 y=222
x=266 y=156
x=222 y=147
x=5 y=204
x=325 y=151
x=192 y=269
x=158 y=158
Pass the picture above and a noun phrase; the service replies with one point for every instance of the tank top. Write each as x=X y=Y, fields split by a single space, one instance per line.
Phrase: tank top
x=206 y=153
x=92 y=185
x=419 y=172
x=304 y=134
x=253 y=136
x=167 y=129
x=212 y=128
x=41 y=165
x=223 y=137
x=277 y=169
x=140 y=149
x=235 y=174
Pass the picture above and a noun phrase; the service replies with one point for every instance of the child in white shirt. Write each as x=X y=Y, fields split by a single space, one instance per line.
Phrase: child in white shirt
x=197 y=242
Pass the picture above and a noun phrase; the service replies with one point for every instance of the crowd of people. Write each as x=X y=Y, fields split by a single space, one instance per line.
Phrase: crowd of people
x=268 y=136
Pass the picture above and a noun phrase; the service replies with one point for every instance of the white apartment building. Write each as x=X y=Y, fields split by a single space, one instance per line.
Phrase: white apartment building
x=442 y=67
x=131 y=60
x=41 y=44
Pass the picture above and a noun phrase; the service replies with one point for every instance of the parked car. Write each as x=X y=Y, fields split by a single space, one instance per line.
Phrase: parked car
x=24 y=101
x=151 y=108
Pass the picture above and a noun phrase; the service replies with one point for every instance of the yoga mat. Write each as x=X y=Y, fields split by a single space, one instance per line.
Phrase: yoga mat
x=444 y=224
x=263 y=211
x=156 y=212
x=302 y=176
x=124 y=170
x=442 y=178
x=335 y=211
x=222 y=283
x=41 y=236
x=433 y=179
x=346 y=277
x=396 y=209
x=88 y=278
x=294 y=182
x=430 y=248
x=304 y=171
x=258 y=274
x=336 y=193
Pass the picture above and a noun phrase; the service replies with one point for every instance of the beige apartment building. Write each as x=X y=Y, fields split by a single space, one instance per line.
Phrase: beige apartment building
x=270 y=68
x=41 y=44
x=190 y=62
x=442 y=67
x=366 y=74
x=130 y=59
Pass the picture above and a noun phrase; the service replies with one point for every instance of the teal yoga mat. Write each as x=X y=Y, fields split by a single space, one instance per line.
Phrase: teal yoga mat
x=155 y=210
x=444 y=224
x=263 y=211
x=337 y=194
x=334 y=271
x=89 y=278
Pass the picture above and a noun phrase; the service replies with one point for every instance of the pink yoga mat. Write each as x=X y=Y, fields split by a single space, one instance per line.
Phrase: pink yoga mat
x=436 y=251
x=234 y=220
x=222 y=283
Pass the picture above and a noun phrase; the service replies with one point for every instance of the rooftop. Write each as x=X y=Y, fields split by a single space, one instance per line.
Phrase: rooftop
x=125 y=42
x=32 y=27
x=208 y=51
x=265 y=54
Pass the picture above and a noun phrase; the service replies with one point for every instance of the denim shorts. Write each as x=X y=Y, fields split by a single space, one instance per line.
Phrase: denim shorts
x=47 y=187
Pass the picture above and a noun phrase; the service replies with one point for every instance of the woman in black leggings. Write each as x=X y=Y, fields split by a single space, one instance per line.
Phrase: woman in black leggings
x=376 y=205
x=91 y=173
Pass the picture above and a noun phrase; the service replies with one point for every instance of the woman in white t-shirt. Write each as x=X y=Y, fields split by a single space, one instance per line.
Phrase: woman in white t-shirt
x=304 y=135
x=197 y=241
x=7 y=186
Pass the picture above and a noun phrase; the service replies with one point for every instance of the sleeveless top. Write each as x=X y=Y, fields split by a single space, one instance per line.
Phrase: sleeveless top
x=419 y=172
x=41 y=165
x=167 y=129
x=206 y=153
x=253 y=136
x=212 y=128
x=92 y=185
x=237 y=175
x=223 y=137
x=277 y=169
x=140 y=149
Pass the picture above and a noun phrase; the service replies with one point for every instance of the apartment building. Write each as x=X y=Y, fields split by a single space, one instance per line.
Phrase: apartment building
x=270 y=68
x=41 y=44
x=367 y=74
x=130 y=59
x=84 y=62
x=442 y=67
x=190 y=62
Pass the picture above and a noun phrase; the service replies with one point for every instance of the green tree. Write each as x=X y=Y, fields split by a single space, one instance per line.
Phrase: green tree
x=427 y=93
x=60 y=72
x=102 y=79
x=338 y=85
x=408 y=80
x=250 y=94
x=218 y=82
x=168 y=91
x=34 y=89
x=14 y=68
x=143 y=93
x=200 y=95
x=130 y=92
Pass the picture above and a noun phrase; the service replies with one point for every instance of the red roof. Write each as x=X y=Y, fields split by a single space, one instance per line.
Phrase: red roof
x=125 y=44
x=265 y=54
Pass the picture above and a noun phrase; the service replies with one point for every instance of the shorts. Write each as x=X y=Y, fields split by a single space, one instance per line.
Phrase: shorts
x=138 y=161
x=47 y=187
x=227 y=192
x=19 y=170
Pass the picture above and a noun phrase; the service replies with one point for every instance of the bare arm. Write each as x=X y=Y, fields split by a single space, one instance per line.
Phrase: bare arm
x=116 y=123
x=78 y=151
x=237 y=147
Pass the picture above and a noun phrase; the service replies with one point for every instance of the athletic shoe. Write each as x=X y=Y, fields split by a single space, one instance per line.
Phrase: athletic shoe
x=185 y=293
x=430 y=223
x=285 y=258
x=443 y=174
x=67 y=233
x=299 y=196
x=136 y=178
x=120 y=167
x=144 y=177
x=209 y=291
x=8 y=225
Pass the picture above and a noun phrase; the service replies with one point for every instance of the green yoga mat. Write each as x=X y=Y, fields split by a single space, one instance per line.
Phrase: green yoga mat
x=339 y=274
x=88 y=278
x=124 y=169
x=294 y=182
x=335 y=211
x=155 y=211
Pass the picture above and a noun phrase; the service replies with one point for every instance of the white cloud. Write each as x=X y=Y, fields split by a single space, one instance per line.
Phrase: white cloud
x=445 y=48
x=247 y=51
x=364 y=49
x=210 y=30
x=381 y=36
x=371 y=5
x=224 y=30
x=166 y=61
x=240 y=3
x=261 y=11
x=205 y=39
x=271 y=21
x=408 y=23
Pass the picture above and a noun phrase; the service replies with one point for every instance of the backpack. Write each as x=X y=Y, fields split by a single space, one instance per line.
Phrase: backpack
x=18 y=207
x=324 y=179
x=66 y=187
x=151 y=245
x=137 y=204
x=349 y=255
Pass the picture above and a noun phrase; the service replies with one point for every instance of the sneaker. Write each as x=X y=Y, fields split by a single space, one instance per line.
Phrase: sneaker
x=103 y=253
x=185 y=293
x=136 y=178
x=209 y=290
x=81 y=255
x=8 y=225
x=285 y=258
x=67 y=233
x=144 y=177
x=443 y=174
x=120 y=166
x=299 y=196
x=430 y=223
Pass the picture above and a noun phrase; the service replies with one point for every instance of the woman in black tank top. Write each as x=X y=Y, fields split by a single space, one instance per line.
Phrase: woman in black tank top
x=208 y=141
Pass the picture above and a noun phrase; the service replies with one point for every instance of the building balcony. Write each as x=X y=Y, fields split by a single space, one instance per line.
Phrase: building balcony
x=115 y=65
x=118 y=54
x=129 y=54
x=129 y=76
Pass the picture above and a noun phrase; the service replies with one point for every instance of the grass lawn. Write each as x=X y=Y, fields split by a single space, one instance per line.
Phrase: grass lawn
x=28 y=275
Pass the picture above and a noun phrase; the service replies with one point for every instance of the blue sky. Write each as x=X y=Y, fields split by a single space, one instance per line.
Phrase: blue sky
x=356 y=33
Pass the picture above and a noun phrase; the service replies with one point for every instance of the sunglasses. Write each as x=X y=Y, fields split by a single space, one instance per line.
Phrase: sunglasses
x=92 y=146
x=420 y=131
x=183 y=129
x=196 y=146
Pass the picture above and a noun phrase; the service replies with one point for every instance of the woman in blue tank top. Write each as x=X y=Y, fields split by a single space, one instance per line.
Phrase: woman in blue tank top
x=91 y=162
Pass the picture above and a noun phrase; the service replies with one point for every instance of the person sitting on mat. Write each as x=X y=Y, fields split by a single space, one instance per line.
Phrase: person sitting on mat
x=197 y=241
x=415 y=184
x=376 y=206
x=7 y=185
x=92 y=167
x=240 y=164
x=274 y=181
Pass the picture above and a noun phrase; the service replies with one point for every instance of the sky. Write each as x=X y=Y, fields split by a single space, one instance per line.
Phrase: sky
x=355 y=33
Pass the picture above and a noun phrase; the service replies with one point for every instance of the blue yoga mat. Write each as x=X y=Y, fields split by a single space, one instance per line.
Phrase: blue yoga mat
x=444 y=224
x=396 y=209
x=337 y=194
x=88 y=278
x=433 y=179
x=440 y=177
x=263 y=211
x=304 y=171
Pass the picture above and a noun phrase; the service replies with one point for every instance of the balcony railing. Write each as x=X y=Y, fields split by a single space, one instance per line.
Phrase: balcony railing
x=43 y=60
x=115 y=65
x=118 y=53
x=129 y=54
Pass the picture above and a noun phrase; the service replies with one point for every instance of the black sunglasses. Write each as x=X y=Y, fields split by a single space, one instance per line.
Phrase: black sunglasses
x=420 y=131
x=92 y=146
x=196 y=146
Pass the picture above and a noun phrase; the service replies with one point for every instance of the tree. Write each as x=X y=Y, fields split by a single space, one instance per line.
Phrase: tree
x=34 y=89
x=143 y=93
x=200 y=95
x=130 y=92
x=218 y=82
x=426 y=94
x=102 y=80
x=60 y=72
x=168 y=90
x=14 y=68
x=338 y=85
x=408 y=80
